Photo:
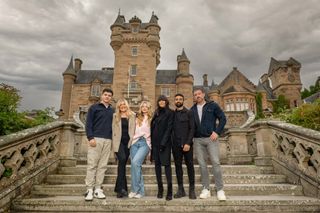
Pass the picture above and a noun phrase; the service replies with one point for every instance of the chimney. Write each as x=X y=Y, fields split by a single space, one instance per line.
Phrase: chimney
x=205 y=80
x=78 y=64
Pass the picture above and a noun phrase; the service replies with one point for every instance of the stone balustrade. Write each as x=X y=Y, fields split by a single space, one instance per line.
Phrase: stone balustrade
x=26 y=157
x=295 y=152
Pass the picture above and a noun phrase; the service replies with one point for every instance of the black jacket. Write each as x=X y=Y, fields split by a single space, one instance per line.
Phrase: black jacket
x=161 y=127
x=211 y=112
x=183 y=127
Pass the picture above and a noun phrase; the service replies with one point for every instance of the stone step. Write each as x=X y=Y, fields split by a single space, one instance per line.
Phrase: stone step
x=152 y=189
x=152 y=204
x=149 y=169
x=228 y=179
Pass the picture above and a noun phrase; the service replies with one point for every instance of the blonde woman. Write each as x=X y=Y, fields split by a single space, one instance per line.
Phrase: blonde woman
x=123 y=126
x=140 y=148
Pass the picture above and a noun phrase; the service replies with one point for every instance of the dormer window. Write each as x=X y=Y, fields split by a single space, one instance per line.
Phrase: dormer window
x=95 y=90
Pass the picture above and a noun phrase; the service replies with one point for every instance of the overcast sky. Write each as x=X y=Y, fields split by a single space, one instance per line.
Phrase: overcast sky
x=37 y=39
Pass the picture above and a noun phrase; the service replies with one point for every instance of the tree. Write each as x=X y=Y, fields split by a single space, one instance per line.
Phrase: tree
x=10 y=119
x=312 y=89
x=259 y=106
x=280 y=104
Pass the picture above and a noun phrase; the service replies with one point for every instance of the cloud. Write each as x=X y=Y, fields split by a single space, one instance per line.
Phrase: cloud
x=37 y=38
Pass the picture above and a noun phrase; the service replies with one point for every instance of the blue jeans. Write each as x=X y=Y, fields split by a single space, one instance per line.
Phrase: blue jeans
x=204 y=146
x=138 y=152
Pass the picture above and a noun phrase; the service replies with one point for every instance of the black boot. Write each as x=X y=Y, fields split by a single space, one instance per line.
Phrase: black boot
x=192 y=193
x=169 y=192
x=160 y=190
x=180 y=193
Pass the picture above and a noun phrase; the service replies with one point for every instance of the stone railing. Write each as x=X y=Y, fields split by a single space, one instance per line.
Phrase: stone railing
x=293 y=150
x=26 y=157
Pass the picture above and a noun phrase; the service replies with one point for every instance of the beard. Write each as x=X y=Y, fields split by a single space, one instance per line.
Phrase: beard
x=179 y=104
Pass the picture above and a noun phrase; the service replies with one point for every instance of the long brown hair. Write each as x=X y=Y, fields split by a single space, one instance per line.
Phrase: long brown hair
x=140 y=115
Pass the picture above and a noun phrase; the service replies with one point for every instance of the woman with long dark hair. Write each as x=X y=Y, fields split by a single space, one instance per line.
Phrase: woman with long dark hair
x=161 y=143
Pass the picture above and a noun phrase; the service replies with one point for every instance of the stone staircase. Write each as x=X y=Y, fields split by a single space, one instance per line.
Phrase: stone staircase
x=249 y=188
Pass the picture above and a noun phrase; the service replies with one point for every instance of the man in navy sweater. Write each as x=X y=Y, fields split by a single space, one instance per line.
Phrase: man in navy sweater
x=99 y=134
x=206 y=141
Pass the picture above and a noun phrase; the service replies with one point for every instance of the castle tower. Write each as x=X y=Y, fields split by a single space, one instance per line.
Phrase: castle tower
x=69 y=77
x=136 y=48
x=184 y=79
x=285 y=80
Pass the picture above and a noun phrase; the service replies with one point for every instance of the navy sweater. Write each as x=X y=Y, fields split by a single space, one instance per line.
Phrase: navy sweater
x=99 y=121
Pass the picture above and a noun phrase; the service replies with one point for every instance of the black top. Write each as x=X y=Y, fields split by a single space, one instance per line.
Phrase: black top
x=183 y=127
x=125 y=130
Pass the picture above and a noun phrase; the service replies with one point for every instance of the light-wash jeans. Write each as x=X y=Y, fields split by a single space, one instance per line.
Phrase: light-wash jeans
x=138 y=152
x=97 y=161
x=203 y=147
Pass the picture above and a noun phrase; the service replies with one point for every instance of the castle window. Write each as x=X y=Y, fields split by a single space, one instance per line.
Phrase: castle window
x=95 y=90
x=135 y=29
x=133 y=70
x=134 y=51
x=133 y=85
x=165 y=92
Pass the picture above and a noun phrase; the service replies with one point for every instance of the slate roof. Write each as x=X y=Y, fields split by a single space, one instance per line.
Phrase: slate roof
x=266 y=87
x=312 y=98
x=70 y=70
x=87 y=76
x=275 y=64
x=166 y=76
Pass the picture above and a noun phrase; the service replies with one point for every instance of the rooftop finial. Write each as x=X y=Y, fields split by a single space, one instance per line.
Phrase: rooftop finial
x=153 y=13
x=119 y=12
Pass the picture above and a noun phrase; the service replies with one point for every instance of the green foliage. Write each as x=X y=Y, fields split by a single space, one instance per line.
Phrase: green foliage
x=259 y=106
x=280 y=104
x=41 y=116
x=307 y=115
x=10 y=119
x=312 y=89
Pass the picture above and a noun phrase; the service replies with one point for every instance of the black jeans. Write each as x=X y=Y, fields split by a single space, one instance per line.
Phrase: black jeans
x=178 y=155
x=122 y=155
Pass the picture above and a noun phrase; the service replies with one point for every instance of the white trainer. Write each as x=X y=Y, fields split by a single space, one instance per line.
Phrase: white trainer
x=132 y=194
x=138 y=196
x=205 y=193
x=221 y=196
x=98 y=193
x=89 y=195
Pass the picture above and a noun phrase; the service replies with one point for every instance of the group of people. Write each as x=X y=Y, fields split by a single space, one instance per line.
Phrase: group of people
x=158 y=134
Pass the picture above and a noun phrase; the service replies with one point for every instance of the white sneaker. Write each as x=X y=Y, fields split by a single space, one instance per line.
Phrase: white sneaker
x=98 y=193
x=205 y=193
x=138 y=196
x=132 y=194
x=89 y=195
x=221 y=196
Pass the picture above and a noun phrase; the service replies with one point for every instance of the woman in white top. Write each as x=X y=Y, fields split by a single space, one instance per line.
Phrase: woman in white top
x=140 y=148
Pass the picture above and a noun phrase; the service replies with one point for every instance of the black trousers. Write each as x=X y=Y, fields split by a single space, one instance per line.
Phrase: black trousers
x=178 y=155
x=122 y=156
x=158 y=165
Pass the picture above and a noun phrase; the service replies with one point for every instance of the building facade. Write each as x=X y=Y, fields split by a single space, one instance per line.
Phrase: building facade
x=135 y=76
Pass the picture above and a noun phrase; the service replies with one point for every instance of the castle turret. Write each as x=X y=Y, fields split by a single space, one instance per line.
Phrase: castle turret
x=285 y=80
x=69 y=77
x=184 y=79
x=153 y=38
x=136 y=46
x=116 y=35
x=183 y=63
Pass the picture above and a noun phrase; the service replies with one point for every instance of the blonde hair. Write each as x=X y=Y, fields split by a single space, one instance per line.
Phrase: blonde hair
x=119 y=103
x=140 y=115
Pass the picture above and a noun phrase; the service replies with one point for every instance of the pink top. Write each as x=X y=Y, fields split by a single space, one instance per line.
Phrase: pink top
x=142 y=131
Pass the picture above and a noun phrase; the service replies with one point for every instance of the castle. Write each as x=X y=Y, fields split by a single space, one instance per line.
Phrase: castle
x=135 y=76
